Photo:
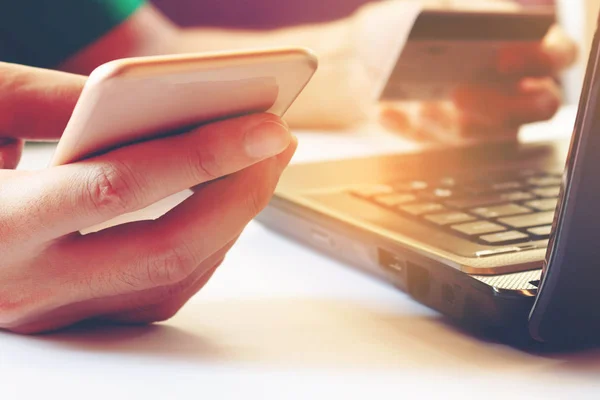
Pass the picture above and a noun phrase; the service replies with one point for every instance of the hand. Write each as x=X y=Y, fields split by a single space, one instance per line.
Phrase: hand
x=34 y=104
x=51 y=276
x=530 y=92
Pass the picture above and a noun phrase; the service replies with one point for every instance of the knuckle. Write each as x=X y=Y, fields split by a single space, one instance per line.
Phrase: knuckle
x=108 y=189
x=171 y=265
x=125 y=281
x=204 y=165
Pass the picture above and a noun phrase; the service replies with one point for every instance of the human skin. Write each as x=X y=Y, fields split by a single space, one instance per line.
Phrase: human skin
x=339 y=95
x=52 y=276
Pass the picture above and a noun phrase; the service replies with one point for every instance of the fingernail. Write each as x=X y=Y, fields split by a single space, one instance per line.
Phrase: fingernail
x=267 y=139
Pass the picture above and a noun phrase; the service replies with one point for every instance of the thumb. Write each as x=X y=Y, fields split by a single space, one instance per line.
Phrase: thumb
x=36 y=103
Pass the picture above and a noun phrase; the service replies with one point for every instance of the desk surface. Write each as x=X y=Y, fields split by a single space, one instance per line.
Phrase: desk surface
x=280 y=321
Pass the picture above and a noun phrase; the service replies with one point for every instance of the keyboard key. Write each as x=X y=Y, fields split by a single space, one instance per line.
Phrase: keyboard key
x=553 y=191
x=447 y=182
x=478 y=228
x=544 y=181
x=504 y=237
x=505 y=186
x=410 y=186
x=372 y=190
x=423 y=208
x=528 y=172
x=476 y=201
x=395 y=199
x=542 y=231
x=500 y=211
x=488 y=200
x=500 y=186
x=439 y=193
x=529 y=220
x=517 y=196
x=449 y=218
x=477 y=189
x=543 y=204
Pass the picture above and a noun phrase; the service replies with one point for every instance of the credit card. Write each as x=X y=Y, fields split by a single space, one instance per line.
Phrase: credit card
x=449 y=49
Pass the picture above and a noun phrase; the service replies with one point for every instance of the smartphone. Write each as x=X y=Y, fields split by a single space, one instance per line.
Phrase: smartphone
x=129 y=100
x=450 y=48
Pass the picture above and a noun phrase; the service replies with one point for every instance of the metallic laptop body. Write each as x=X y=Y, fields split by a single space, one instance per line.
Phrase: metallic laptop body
x=466 y=231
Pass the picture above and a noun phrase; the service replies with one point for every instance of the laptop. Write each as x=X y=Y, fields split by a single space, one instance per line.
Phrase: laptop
x=499 y=236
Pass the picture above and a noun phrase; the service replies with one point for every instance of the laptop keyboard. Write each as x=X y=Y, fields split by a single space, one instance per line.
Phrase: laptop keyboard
x=497 y=209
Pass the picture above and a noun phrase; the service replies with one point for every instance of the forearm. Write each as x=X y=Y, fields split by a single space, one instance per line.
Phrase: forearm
x=340 y=92
x=328 y=99
x=332 y=99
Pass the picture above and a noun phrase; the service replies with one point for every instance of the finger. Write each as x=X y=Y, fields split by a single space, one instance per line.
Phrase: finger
x=71 y=314
x=157 y=253
x=475 y=130
x=166 y=310
x=457 y=128
x=425 y=122
x=402 y=118
x=99 y=309
x=152 y=299
x=11 y=151
x=441 y=122
x=532 y=100
x=560 y=49
x=72 y=197
x=36 y=103
x=163 y=303
x=554 y=54
x=396 y=117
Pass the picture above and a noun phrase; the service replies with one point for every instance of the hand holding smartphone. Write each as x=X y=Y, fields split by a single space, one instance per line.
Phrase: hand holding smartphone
x=135 y=99
x=132 y=100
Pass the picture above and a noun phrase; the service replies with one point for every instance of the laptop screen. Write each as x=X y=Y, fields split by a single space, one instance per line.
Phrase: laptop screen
x=567 y=307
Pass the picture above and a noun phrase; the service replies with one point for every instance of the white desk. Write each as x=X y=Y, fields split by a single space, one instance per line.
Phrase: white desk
x=279 y=321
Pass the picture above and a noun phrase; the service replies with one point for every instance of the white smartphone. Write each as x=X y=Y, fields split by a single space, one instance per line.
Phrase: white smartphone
x=129 y=100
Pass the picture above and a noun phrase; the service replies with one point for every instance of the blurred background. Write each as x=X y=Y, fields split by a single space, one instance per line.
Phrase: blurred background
x=577 y=16
x=263 y=14
x=579 y=19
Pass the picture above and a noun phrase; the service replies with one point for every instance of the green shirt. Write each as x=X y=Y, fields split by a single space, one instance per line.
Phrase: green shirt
x=43 y=33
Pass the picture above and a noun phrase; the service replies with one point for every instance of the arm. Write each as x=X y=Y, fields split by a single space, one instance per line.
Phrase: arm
x=148 y=32
x=339 y=94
